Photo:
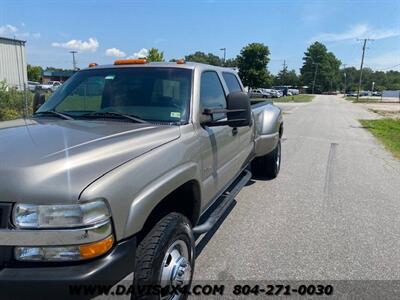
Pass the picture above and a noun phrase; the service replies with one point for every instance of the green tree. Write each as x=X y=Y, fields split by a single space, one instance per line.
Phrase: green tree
x=201 y=57
x=332 y=72
x=389 y=80
x=155 y=55
x=12 y=102
x=34 y=72
x=286 y=77
x=231 y=63
x=292 y=78
x=252 y=63
x=317 y=58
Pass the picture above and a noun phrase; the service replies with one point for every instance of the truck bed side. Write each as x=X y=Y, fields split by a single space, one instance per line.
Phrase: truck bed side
x=267 y=128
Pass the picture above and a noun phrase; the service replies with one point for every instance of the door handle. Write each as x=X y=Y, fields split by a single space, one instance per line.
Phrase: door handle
x=235 y=131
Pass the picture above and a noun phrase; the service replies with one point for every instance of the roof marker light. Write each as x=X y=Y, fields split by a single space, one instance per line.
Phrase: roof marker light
x=180 y=61
x=91 y=65
x=139 y=61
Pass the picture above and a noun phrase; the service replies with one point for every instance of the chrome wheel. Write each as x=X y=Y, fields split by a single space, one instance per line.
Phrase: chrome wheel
x=176 y=268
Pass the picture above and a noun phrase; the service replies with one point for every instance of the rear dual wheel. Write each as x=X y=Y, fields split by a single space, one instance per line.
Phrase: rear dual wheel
x=268 y=165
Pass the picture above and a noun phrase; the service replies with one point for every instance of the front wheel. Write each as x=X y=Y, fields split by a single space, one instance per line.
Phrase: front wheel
x=268 y=165
x=165 y=258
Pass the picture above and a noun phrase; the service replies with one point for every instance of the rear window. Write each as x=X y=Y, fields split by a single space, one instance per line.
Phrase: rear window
x=232 y=82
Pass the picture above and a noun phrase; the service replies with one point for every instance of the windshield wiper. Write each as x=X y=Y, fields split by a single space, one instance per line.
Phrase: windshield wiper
x=110 y=114
x=53 y=113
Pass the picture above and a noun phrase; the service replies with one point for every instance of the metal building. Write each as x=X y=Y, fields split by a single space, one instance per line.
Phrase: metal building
x=13 y=62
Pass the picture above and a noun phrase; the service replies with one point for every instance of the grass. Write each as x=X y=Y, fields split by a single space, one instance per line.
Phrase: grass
x=364 y=100
x=296 y=98
x=387 y=131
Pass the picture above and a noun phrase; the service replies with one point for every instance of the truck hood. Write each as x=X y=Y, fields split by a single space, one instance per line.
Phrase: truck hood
x=47 y=161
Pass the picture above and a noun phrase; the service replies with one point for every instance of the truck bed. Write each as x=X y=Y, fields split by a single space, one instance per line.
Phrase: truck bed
x=268 y=126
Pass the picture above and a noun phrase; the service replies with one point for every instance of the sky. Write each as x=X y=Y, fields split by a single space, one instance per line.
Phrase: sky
x=102 y=31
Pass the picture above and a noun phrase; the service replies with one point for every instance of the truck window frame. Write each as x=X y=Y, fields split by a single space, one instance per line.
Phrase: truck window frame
x=223 y=87
x=236 y=78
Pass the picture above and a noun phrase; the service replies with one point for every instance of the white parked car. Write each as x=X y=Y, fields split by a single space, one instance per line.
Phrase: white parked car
x=258 y=93
x=32 y=85
x=269 y=93
x=279 y=93
x=294 y=91
x=50 y=86
x=273 y=93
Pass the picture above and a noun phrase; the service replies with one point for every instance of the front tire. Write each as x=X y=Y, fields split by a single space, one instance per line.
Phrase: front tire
x=268 y=165
x=165 y=257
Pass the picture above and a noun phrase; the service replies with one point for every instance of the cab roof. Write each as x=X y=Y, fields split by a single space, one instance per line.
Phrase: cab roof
x=186 y=65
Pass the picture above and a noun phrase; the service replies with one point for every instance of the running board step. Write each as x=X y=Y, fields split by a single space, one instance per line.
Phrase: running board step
x=228 y=197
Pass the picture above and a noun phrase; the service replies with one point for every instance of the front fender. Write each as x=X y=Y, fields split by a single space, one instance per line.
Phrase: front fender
x=154 y=192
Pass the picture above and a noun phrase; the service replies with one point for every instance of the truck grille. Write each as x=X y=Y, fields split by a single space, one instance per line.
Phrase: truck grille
x=5 y=211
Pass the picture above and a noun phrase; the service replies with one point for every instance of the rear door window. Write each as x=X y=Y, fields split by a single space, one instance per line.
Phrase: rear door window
x=232 y=82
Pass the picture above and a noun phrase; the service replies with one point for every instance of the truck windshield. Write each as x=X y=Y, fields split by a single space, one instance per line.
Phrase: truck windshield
x=159 y=94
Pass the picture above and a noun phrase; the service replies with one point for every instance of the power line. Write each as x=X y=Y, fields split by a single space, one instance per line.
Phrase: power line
x=389 y=67
x=362 y=64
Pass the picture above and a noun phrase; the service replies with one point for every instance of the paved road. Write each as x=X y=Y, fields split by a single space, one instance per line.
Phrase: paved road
x=333 y=212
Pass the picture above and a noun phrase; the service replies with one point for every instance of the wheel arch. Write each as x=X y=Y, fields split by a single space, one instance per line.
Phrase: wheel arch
x=178 y=190
x=185 y=199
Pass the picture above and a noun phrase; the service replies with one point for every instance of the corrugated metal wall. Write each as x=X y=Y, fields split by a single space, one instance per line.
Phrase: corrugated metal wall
x=13 y=63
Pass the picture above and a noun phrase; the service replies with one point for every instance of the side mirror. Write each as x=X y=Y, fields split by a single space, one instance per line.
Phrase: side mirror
x=238 y=111
x=38 y=101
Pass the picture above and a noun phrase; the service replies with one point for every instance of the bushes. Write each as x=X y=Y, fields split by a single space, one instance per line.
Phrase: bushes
x=12 y=102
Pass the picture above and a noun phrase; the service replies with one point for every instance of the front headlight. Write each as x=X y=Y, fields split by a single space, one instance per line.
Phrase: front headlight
x=60 y=215
x=64 y=253
x=90 y=222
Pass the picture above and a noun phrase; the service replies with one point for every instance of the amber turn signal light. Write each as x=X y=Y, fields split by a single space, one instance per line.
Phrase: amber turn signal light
x=97 y=248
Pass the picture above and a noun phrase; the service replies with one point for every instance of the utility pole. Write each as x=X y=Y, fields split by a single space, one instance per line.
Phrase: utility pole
x=224 y=49
x=362 y=64
x=73 y=52
x=284 y=72
x=345 y=78
x=315 y=76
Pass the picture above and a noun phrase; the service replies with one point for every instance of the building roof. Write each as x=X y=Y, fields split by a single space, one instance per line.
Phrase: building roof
x=12 y=40
x=64 y=73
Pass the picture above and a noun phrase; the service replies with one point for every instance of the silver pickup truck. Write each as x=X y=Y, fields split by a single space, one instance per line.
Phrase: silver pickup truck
x=120 y=170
